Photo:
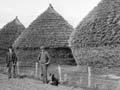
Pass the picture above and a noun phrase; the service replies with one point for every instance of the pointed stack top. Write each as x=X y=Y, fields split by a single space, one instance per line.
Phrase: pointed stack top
x=17 y=21
x=48 y=29
x=16 y=18
x=50 y=9
x=50 y=6
x=101 y=27
x=49 y=13
x=10 y=32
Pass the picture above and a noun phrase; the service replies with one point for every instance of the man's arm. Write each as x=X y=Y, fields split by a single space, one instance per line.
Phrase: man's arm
x=39 y=57
x=49 y=58
x=15 y=56
x=7 y=61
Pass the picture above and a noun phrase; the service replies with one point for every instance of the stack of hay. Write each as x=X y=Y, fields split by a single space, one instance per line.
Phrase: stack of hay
x=50 y=30
x=96 y=39
x=8 y=34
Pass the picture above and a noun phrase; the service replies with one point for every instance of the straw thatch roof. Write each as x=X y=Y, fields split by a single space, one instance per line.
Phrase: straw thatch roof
x=100 y=28
x=49 y=29
x=10 y=32
x=8 y=35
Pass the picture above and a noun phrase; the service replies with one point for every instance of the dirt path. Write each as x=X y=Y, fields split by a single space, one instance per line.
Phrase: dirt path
x=27 y=84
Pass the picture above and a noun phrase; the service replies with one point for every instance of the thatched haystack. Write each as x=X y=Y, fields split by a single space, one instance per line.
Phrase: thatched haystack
x=8 y=34
x=49 y=29
x=96 y=39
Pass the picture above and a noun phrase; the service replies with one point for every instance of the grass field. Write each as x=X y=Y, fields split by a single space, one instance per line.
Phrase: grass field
x=77 y=77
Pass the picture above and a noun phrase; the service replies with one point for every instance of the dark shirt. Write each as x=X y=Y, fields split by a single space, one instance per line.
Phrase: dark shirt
x=11 y=58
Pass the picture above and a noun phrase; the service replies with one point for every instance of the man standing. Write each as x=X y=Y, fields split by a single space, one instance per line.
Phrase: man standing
x=44 y=59
x=11 y=60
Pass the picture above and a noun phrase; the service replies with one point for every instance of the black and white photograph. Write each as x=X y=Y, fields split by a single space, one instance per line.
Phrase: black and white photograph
x=59 y=44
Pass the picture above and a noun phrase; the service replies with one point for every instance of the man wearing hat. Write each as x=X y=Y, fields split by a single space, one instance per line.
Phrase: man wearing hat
x=44 y=59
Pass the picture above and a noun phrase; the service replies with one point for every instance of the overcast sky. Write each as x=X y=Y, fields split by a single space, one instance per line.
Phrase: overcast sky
x=27 y=10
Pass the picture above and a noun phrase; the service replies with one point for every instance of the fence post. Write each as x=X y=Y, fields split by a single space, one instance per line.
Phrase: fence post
x=65 y=77
x=80 y=82
x=36 y=69
x=89 y=76
x=18 y=69
x=59 y=72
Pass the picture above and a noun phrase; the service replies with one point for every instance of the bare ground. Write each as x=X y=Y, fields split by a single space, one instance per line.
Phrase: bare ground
x=28 y=84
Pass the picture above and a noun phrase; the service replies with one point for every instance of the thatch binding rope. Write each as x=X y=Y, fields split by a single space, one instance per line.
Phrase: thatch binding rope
x=36 y=48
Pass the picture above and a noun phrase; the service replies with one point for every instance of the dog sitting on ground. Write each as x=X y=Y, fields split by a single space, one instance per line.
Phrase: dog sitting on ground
x=53 y=80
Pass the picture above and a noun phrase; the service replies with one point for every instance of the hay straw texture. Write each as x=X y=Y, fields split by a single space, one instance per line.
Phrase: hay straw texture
x=99 y=29
x=10 y=32
x=49 y=29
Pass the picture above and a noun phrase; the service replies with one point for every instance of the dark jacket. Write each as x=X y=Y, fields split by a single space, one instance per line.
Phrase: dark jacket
x=11 y=58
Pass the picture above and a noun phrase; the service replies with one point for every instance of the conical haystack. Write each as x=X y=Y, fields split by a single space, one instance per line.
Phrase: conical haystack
x=49 y=29
x=8 y=34
x=97 y=38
